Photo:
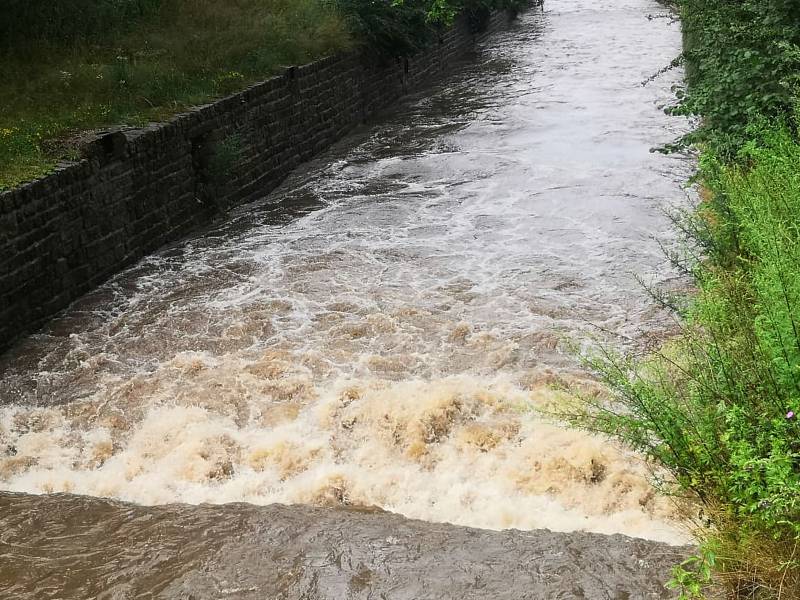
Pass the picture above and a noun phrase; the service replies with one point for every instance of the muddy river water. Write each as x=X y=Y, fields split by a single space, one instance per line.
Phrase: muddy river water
x=378 y=335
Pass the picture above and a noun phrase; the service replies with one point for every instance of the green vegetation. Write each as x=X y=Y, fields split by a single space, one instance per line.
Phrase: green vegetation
x=718 y=407
x=401 y=27
x=743 y=64
x=75 y=65
x=72 y=66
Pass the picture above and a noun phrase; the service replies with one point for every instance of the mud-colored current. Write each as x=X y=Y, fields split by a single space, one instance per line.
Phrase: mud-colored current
x=382 y=333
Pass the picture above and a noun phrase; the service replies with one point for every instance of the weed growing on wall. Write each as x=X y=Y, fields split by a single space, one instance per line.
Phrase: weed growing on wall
x=224 y=157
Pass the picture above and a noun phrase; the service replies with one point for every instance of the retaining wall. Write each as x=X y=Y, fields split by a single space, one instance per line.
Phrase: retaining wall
x=136 y=191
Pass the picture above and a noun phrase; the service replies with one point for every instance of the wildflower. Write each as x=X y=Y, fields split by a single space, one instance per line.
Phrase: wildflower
x=790 y=415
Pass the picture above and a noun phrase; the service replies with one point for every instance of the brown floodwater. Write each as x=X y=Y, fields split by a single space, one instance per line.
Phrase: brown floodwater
x=364 y=356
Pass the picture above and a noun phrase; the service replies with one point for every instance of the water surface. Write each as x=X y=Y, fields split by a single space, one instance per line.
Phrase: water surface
x=381 y=331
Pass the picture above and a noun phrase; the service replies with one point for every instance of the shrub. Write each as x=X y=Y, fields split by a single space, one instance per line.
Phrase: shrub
x=743 y=61
x=403 y=27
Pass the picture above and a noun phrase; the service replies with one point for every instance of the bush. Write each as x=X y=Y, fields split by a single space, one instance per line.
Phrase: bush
x=392 y=28
x=403 y=27
x=743 y=62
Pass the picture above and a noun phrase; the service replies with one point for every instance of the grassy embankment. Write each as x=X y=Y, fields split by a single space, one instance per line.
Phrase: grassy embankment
x=74 y=65
x=71 y=66
x=718 y=407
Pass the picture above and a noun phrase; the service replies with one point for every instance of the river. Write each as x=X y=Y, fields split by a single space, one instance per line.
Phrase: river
x=382 y=332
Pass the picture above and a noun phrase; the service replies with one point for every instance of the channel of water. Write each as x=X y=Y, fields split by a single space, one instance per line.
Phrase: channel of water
x=384 y=329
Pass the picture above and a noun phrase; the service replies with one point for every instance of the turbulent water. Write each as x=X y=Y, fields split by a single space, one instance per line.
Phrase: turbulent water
x=384 y=330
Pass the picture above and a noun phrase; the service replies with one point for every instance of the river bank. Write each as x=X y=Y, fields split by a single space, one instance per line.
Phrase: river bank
x=82 y=66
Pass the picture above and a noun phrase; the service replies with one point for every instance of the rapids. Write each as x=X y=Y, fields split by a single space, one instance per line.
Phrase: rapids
x=384 y=329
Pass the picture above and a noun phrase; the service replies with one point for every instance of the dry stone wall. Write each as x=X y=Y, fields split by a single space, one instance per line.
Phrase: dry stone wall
x=135 y=191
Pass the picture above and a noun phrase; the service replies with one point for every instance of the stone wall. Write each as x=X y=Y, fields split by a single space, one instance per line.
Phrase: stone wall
x=136 y=191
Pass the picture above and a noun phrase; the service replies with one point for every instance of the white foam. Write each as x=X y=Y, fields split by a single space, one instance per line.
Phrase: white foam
x=458 y=449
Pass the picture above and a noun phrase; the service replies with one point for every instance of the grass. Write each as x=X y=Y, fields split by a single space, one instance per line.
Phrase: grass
x=78 y=65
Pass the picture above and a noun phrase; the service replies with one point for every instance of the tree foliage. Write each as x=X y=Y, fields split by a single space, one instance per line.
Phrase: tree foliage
x=403 y=27
x=743 y=64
